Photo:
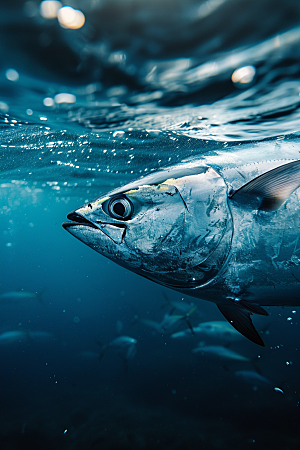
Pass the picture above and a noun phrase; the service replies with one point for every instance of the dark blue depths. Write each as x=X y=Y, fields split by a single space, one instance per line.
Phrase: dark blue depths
x=144 y=96
x=56 y=393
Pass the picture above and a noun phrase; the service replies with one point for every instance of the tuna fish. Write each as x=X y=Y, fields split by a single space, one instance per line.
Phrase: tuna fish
x=224 y=227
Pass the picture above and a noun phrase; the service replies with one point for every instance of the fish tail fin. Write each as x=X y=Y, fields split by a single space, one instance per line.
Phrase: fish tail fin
x=103 y=349
x=29 y=336
x=187 y=319
x=40 y=295
x=167 y=301
x=135 y=320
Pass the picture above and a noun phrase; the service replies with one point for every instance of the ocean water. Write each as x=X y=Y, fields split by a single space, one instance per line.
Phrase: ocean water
x=140 y=85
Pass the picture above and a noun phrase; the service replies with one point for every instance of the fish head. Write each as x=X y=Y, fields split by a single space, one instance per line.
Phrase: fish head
x=165 y=226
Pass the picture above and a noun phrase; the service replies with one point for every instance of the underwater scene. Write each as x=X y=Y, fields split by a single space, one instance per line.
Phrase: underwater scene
x=160 y=313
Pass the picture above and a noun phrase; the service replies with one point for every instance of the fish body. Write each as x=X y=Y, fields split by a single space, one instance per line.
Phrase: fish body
x=12 y=297
x=166 y=326
x=10 y=337
x=217 y=352
x=224 y=227
x=41 y=336
x=180 y=307
x=217 y=330
x=254 y=378
x=125 y=346
x=122 y=341
x=186 y=333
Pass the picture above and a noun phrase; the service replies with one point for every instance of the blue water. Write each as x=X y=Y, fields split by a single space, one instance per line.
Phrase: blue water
x=149 y=84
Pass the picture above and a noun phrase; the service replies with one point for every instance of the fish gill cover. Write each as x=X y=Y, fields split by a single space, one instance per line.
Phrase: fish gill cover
x=93 y=95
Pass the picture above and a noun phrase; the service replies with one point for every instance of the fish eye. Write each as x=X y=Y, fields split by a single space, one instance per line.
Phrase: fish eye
x=119 y=208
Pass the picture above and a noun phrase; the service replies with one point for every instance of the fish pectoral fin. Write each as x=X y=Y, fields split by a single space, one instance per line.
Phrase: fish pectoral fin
x=240 y=319
x=253 y=308
x=272 y=188
x=188 y=322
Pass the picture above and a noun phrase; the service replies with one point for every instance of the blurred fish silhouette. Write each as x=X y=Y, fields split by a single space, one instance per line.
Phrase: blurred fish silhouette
x=218 y=330
x=125 y=346
x=223 y=228
x=169 y=322
x=256 y=380
x=21 y=296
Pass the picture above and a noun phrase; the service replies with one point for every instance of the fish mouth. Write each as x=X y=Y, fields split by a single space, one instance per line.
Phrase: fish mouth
x=113 y=231
x=76 y=219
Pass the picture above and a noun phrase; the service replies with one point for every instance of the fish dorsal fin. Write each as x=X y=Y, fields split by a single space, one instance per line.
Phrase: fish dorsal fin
x=272 y=188
x=240 y=319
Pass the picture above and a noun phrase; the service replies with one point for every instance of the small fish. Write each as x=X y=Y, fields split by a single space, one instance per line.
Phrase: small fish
x=185 y=333
x=218 y=330
x=10 y=337
x=41 y=336
x=219 y=353
x=222 y=227
x=180 y=306
x=256 y=379
x=169 y=322
x=122 y=342
x=13 y=297
x=125 y=346
x=253 y=378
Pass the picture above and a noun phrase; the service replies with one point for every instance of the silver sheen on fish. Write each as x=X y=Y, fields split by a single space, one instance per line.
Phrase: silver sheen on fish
x=223 y=227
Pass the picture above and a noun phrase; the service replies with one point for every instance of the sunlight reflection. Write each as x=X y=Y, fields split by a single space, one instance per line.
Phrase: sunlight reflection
x=64 y=98
x=244 y=75
x=49 y=9
x=48 y=101
x=70 y=18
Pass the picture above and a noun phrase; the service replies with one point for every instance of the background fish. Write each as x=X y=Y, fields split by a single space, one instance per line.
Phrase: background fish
x=12 y=297
x=216 y=330
x=220 y=353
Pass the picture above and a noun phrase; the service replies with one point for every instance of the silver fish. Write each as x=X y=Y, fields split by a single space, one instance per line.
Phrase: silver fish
x=168 y=323
x=217 y=352
x=224 y=228
x=185 y=333
x=218 y=330
x=125 y=347
x=254 y=378
x=181 y=307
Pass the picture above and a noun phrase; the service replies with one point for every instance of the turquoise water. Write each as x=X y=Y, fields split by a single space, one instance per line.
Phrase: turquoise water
x=139 y=86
